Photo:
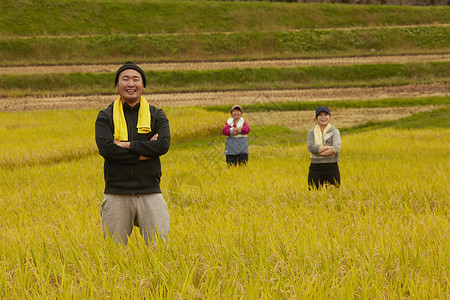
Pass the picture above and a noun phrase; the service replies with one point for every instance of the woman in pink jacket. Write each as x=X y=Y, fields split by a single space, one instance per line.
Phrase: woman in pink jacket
x=236 y=144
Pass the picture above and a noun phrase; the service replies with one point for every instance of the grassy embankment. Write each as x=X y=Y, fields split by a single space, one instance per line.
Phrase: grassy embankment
x=234 y=79
x=240 y=31
x=224 y=46
x=43 y=32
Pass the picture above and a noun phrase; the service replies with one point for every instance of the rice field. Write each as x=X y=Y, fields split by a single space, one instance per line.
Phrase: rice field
x=236 y=233
x=250 y=233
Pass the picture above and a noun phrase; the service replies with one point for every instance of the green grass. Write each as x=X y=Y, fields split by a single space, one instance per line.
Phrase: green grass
x=107 y=48
x=436 y=118
x=70 y=17
x=70 y=32
x=232 y=79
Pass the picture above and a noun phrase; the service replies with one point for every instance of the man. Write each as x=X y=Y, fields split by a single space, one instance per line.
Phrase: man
x=131 y=135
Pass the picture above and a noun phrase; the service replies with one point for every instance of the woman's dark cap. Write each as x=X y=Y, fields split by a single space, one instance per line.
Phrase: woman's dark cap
x=130 y=65
x=236 y=107
x=321 y=109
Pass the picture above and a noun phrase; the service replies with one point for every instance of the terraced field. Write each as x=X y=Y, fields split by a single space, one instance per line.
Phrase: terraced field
x=68 y=65
x=236 y=233
x=230 y=98
x=209 y=65
x=247 y=97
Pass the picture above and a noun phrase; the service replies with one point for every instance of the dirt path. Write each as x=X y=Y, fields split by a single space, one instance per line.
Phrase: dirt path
x=229 y=98
x=288 y=63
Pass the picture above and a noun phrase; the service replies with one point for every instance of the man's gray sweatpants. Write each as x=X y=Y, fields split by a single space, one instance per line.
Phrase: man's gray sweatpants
x=149 y=212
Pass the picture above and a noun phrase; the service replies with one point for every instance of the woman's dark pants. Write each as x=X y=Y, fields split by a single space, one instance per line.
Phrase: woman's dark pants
x=326 y=173
x=239 y=159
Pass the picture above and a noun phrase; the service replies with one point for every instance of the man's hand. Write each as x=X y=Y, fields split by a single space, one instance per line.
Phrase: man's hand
x=125 y=145
x=154 y=138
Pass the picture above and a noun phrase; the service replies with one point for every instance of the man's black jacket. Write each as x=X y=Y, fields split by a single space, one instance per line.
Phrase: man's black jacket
x=124 y=172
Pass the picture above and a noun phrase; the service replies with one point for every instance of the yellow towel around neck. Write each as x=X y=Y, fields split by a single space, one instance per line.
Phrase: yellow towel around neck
x=318 y=135
x=120 y=124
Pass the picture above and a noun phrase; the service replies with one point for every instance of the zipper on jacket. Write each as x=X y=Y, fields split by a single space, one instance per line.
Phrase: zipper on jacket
x=132 y=139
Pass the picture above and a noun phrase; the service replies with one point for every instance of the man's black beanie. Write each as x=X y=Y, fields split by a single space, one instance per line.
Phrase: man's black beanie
x=130 y=65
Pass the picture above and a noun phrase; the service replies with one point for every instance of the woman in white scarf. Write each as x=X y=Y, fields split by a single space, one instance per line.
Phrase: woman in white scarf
x=236 y=144
x=324 y=144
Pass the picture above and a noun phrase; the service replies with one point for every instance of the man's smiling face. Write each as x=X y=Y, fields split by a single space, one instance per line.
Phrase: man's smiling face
x=323 y=119
x=130 y=86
